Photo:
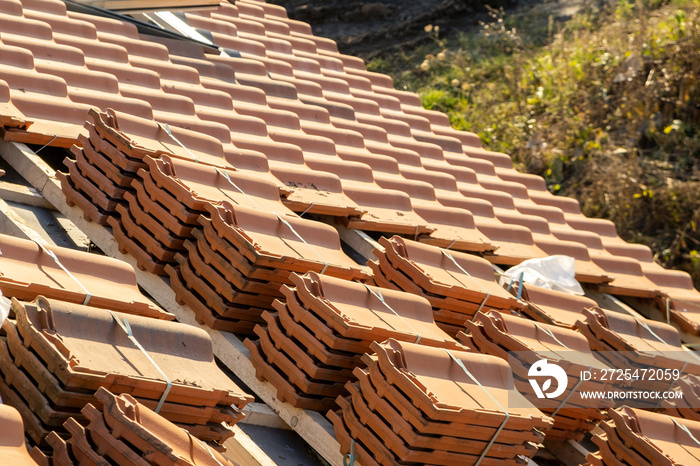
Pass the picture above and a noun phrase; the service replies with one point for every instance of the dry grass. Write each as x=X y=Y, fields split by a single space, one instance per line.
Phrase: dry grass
x=605 y=106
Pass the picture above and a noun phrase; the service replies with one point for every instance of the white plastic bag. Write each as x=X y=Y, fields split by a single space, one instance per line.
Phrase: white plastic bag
x=553 y=272
x=4 y=308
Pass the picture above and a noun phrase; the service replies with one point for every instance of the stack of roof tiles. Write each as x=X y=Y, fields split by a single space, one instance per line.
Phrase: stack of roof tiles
x=147 y=221
x=552 y=306
x=313 y=122
x=636 y=437
x=57 y=354
x=125 y=432
x=310 y=347
x=632 y=343
x=31 y=268
x=420 y=404
x=241 y=248
x=687 y=405
x=99 y=177
x=13 y=449
x=230 y=268
x=456 y=284
x=522 y=343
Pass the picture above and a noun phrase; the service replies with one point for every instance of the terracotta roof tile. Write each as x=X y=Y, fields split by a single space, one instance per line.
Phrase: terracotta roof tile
x=33 y=426
x=12 y=446
x=55 y=403
x=385 y=398
x=264 y=239
x=414 y=380
x=359 y=417
x=554 y=307
x=631 y=343
x=638 y=437
x=29 y=272
x=627 y=333
x=159 y=440
x=68 y=320
x=432 y=374
x=450 y=280
x=109 y=446
x=325 y=324
x=522 y=343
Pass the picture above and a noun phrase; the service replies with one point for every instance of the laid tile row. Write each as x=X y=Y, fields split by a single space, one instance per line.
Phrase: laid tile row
x=480 y=190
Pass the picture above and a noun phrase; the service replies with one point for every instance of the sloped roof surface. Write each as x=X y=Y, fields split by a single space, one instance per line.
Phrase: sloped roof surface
x=207 y=167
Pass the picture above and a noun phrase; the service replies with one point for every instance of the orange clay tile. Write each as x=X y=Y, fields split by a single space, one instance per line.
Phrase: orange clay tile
x=41 y=321
x=204 y=314
x=91 y=172
x=105 y=444
x=384 y=450
x=294 y=309
x=195 y=185
x=164 y=198
x=151 y=224
x=265 y=239
x=286 y=392
x=52 y=398
x=653 y=343
x=300 y=89
x=156 y=210
x=617 y=445
x=12 y=446
x=88 y=155
x=432 y=371
x=554 y=307
x=33 y=427
x=442 y=451
x=93 y=191
x=160 y=441
x=359 y=311
x=271 y=342
x=230 y=253
x=128 y=245
x=75 y=197
x=217 y=292
x=200 y=256
x=111 y=283
x=61 y=455
x=79 y=445
x=312 y=344
x=383 y=397
x=657 y=437
x=152 y=246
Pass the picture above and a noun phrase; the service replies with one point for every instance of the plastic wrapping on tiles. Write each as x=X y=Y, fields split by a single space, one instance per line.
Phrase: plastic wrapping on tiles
x=553 y=272
x=4 y=308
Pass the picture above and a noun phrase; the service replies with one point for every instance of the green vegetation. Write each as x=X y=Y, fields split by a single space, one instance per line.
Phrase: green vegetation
x=605 y=106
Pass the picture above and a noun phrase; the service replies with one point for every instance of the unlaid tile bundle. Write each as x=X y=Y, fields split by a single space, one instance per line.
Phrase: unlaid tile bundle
x=324 y=325
x=427 y=405
x=456 y=284
x=523 y=343
x=58 y=354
